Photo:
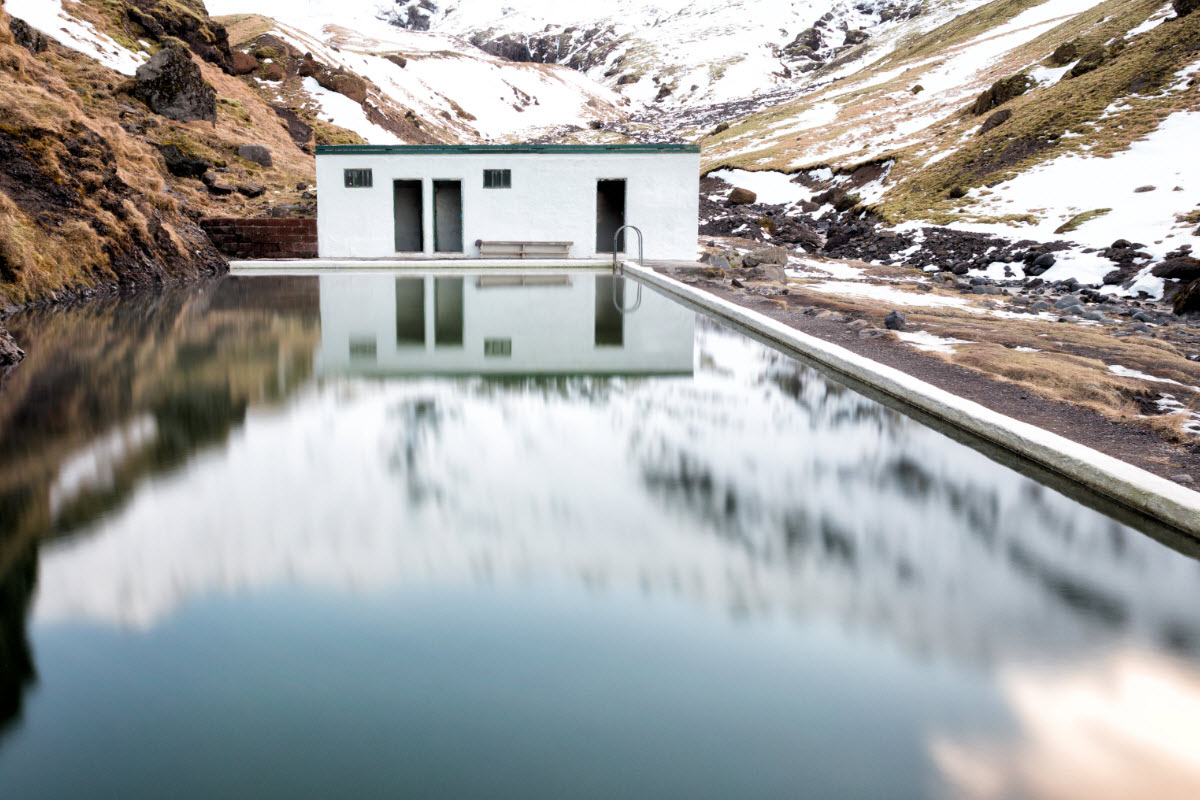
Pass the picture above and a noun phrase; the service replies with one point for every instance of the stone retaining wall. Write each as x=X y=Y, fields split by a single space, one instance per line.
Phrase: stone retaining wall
x=257 y=238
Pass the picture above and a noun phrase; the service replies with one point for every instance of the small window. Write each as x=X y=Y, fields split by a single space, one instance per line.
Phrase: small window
x=497 y=347
x=497 y=179
x=359 y=179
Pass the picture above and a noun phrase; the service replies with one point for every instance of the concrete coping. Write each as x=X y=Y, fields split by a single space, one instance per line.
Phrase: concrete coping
x=294 y=266
x=1130 y=486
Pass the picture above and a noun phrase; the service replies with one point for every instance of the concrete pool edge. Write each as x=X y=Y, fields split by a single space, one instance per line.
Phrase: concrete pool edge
x=1124 y=483
x=293 y=266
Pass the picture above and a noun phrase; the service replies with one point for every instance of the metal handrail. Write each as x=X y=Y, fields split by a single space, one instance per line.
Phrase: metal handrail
x=616 y=269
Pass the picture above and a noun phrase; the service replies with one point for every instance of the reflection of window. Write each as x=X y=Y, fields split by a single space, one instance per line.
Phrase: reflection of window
x=358 y=178
x=362 y=347
x=497 y=347
x=497 y=179
x=610 y=322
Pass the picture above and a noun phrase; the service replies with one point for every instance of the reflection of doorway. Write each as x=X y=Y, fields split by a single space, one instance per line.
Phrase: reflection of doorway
x=410 y=312
x=610 y=215
x=447 y=216
x=407 y=212
x=610 y=322
x=447 y=312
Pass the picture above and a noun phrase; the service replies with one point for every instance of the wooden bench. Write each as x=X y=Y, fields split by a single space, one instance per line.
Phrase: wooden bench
x=523 y=249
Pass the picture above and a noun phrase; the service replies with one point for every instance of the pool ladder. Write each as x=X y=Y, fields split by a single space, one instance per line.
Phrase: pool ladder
x=619 y=283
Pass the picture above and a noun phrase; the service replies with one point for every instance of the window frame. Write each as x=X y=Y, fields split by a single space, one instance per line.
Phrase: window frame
x=497 y=179
x=358 y=178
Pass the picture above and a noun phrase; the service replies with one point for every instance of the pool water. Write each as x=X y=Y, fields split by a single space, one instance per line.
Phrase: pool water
x=386 y=535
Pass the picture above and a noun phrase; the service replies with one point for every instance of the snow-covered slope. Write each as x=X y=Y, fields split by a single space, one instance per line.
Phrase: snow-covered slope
x=459 y=92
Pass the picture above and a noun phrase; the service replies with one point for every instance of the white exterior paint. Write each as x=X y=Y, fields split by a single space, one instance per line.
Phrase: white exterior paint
x=553 y=198
x=552 y=328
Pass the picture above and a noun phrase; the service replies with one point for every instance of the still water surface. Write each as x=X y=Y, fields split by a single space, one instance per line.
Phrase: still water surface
x=384 y=536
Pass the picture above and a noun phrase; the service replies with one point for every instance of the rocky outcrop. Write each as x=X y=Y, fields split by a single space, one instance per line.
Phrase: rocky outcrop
x=1089 y=60
x=995 y=120
x=1182 y=268
x=186 y=20
x=1001 y=92
x=344 y=83
x=1185 y=7
x=414 y=15
x=181 y=163
x=578 y=49
x=300 y=131
x=172 y=85
x=28 y=37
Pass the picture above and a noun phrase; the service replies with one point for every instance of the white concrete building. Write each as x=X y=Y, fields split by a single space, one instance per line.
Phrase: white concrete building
x=488 y=323
x=479 y=201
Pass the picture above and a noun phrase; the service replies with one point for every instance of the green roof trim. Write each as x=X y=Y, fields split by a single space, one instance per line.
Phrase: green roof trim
x=437 y=149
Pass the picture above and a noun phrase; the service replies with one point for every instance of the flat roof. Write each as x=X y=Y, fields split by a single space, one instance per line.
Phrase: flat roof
x=431 y=149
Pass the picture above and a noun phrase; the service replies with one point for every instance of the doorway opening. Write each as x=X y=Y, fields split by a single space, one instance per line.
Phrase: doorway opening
x=408 y=211
x=447 y=217
x=610 y=215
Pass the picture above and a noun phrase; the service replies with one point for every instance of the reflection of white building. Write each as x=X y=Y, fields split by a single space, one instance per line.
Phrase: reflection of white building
x=557 y=324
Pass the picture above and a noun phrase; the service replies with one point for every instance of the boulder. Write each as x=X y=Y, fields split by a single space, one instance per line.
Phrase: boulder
x=1045 y=261
x=996 y=120
x=1065 y=54
x=1001 y=92
x=399 y=61
x=182 y=164
x=767 y=255
x=171 y=84
x=244 y=63
x=1185 y=269
x=856 y=37
x=742 y=197
x=1185 y=7
x=768 y=272
x=219 y=187
x=1144 y=189
x=256 y=153
x=895 y=321
x=351 y=86
x=252 y=189
x=1089 y=60
x=273 y=72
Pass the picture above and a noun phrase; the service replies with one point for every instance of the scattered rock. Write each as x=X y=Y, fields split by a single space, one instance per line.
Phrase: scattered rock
x=1090 y=59
x=182 y=164
x=252 y=189
x=1187 y=479
x=856 y=37
x=171 y=84
x=895 y=321
x=1144 y=189
x=832 y=316
x=742 y=197
x=257 y=154
x=274 y=72
x=399 y=61
x=244 y=63
x=1045 y=261
x=735 y=283
x=721 y=128
x=1065 y=54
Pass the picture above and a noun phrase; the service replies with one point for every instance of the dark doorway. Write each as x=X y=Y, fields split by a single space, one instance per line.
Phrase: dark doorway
x=610 y=215
x=407 y=208
x=447 y=217
x=410 y=311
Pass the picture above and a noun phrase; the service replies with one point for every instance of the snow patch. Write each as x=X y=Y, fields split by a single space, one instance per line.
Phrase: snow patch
x=924 y=340
x=79 y=35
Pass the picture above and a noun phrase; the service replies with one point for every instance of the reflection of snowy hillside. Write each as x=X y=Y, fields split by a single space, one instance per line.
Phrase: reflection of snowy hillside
x=754 y=487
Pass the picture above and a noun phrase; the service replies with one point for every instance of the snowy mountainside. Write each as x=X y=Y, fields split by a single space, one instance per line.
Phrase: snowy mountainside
x=454 y=91
x=681 y=52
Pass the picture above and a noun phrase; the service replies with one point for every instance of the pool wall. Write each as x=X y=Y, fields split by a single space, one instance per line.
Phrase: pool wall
x=1131 y=486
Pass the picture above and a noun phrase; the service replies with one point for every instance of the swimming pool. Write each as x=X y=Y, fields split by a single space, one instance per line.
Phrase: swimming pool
x=457 y=535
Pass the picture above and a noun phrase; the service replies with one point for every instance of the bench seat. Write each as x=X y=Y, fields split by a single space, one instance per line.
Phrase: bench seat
x=524 y=249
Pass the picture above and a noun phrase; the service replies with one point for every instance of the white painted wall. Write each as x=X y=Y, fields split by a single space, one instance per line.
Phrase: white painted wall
x=553 y=198
x=552 y=329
